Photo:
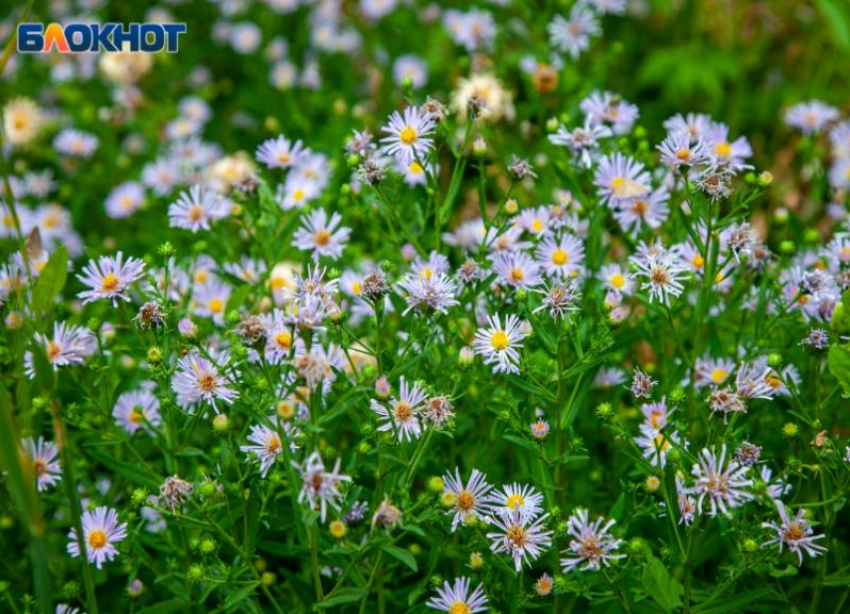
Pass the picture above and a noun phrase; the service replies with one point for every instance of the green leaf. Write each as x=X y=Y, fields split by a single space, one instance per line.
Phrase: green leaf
x=520 y=441
x=402 y=555
x=138 y=474
x=237 y=297
x=166 y=607
x=839 y=365
x=737 y=603
x=838 y=21
x=343 y=596
x=664 y=589
x=526 y=384
x=235 y=598
x=50 y=281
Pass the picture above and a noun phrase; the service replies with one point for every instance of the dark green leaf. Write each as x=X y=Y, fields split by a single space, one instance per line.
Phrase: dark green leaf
x=402 y=555
x=51 y=280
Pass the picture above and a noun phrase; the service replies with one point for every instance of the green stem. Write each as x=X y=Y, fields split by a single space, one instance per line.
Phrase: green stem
x=314 y=559
x=74 y=502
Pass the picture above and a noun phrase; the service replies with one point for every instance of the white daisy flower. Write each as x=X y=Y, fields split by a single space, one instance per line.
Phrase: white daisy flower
x=403 y=415
x=499 y=345
x=321 y=487
x=198 y=379
x=561 y=258
x=210 y=300
x=520 y=535
x=109 y=278
x=266 y=445
x=70 y=345
x=468 y=503
x=321 y=236
x=43 y=455
x=457 y=599
x=591 y=543
x=137 y=409
x=279 y=152
x=101 y=531
x=797 y=534
x=125 y=199
x=196 y=209
x=720 y=482
x=517 y=497
x=409 y=135
x=516 y=269
x=613 y=277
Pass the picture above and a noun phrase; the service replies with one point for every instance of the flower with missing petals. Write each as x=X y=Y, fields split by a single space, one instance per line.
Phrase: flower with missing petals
x=794 y=533
x=591 y=544
x=44 y=458
x=320 y=487
x=722 y=483
x=521 y=535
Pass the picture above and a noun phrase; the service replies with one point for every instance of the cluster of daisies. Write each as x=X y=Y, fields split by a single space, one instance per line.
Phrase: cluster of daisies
x=516 y=516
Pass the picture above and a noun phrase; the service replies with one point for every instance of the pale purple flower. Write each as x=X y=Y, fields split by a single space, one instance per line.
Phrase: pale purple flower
x=722 y=483
x=109 y=277
x=101 y=531
x=795 y=533
x=591 y=544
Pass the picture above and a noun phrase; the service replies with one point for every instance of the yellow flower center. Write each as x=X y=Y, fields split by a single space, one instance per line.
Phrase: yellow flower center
x=322 y=237
x=285 y=410
x=499 y=340
x=408 y=135
x=53 y=350
x=97 y=538
x=718 y=376
x=109 y=283
x=283 y=157
x=415 y=168
x=355 y=288
x=403 y=411
x=723 y=149
x=465 y=501
x=698 y=261
x=618 y=281
x=283 y=338
x=298 y=194
x=794 y=532
x=196 y=213
x=537 y=226
x=655 y=418
x=560 y=257
x=459 y=607
x=516 y=500
x=206 y=382
x=216 y=305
